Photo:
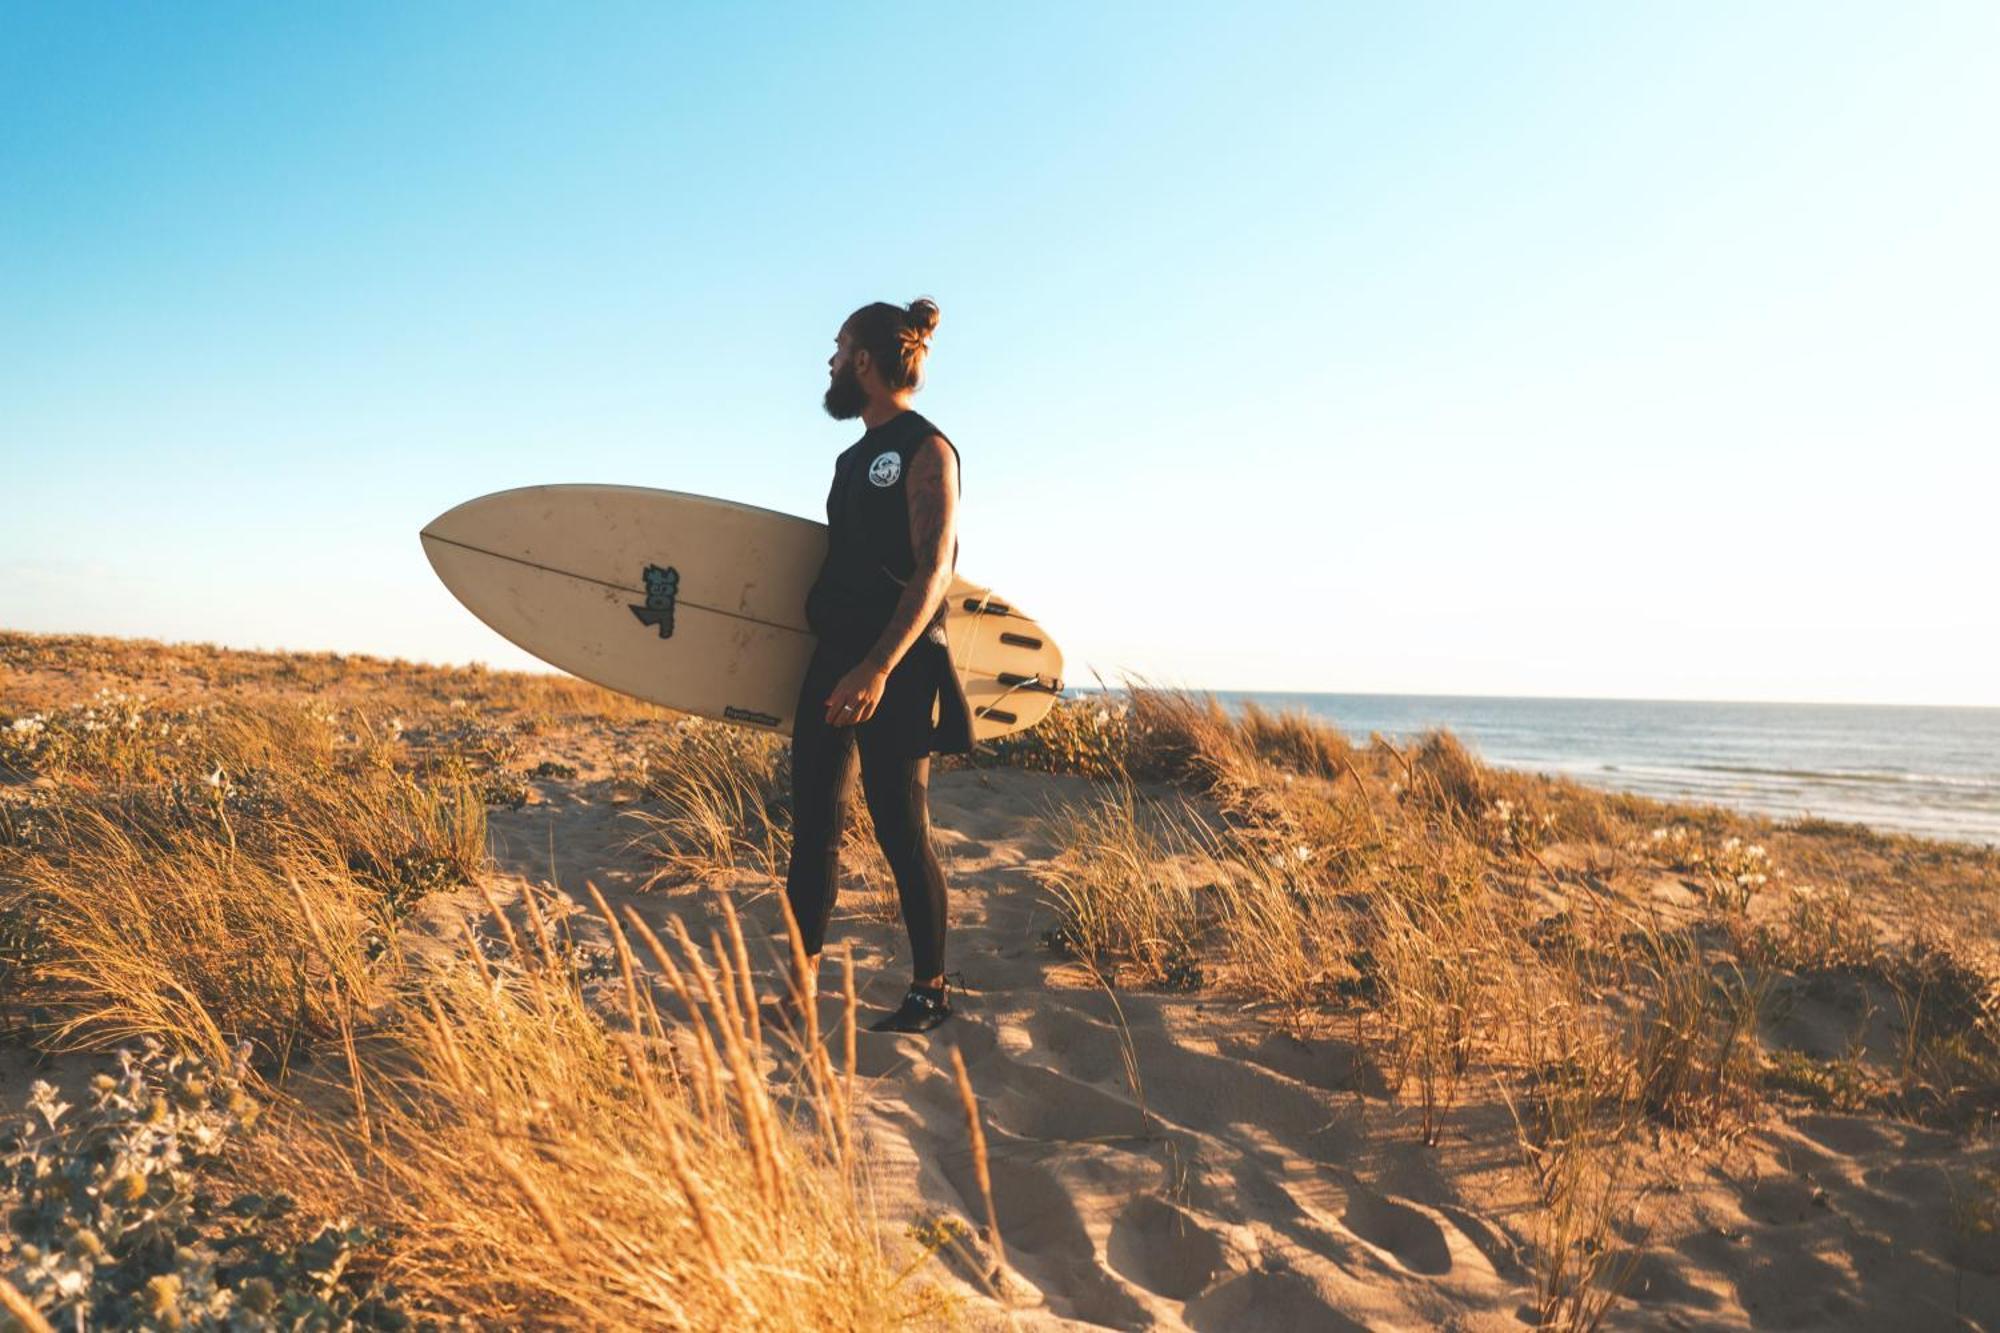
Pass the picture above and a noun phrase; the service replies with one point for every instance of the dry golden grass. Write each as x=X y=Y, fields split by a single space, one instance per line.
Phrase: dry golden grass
x=716 y=804
x=1573 y=1142
x=57 y=670
x=543 y=1170
x=219 y=847
x=1485 y=928
x=203 y=889
x=218 y=872
x=171 y=932
x=1126 y=890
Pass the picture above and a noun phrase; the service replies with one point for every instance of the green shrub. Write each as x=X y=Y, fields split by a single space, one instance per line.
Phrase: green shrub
x=116 y=1221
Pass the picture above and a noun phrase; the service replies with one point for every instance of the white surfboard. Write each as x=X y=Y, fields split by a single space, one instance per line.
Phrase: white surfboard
x=697 y=604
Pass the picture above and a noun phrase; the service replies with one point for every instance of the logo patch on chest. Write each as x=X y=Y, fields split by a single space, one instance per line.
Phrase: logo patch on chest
x=885 y=469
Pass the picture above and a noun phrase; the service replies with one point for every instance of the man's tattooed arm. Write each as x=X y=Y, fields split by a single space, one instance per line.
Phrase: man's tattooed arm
x=932 y=490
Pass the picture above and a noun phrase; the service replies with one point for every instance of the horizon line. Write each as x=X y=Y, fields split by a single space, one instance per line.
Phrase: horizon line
x=1070 y=687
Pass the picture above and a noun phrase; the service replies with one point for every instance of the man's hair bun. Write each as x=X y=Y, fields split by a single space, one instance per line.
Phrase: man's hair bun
x=922 y=317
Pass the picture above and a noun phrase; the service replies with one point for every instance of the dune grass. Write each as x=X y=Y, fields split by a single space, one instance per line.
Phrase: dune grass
x=212 y=849
x=211 y=881
x=540 y=1167
x=226 y=880
x=716 y=801
x=1484 y=928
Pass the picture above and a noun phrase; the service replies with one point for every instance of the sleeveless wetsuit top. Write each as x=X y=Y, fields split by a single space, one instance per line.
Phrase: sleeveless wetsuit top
x=869 y=555
x=869 y=559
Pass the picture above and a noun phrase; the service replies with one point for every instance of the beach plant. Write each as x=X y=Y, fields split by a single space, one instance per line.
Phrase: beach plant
x=1439 y=971
x=1842 y=1083
x=247 y=901
x=1693 y=1047
x=1297 y=742
x=1572 y=1139
x=1089 y=736
x=122 y=1215
x=1975 y=1213
x=116 y=735
x=1513 y=828
x=718 y=800
x=1185 y=738
x=1729 y=873
x=1430 y=998
x=1284 y=934
x=534 y=1163
x=1132 y=888
x=1824 y=930
x=1446 y=778
x=166 y=930
x=1948 y=997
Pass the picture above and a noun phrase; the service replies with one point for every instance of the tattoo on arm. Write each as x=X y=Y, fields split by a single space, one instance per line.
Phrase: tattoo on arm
x=932 y=488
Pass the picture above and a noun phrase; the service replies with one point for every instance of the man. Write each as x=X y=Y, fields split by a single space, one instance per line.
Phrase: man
x=881 y=687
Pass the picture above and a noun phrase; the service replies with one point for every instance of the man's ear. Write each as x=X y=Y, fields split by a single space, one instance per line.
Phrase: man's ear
x=862 y=361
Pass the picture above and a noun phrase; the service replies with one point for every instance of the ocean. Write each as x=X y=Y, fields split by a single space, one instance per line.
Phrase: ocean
x=1931 y=771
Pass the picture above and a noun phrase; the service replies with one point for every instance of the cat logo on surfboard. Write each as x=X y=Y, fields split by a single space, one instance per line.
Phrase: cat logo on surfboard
x=662 y=586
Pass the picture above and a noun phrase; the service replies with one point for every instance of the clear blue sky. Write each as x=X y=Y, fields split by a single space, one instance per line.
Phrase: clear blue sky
x=1645 y=350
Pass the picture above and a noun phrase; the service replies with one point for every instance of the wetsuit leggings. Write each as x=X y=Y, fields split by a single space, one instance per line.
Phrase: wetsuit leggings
x=897 y=789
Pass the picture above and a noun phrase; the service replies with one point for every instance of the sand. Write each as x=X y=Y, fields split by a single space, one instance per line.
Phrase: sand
x=1170 y=1160
x=1174 y=1160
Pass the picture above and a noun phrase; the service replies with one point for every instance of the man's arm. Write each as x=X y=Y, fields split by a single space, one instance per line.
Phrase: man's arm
x=931 y=488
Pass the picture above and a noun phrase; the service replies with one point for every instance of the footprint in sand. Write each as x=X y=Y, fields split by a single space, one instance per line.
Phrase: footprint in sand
x=1165 y=1249
x=1410 y=1236
x=1272 y=1301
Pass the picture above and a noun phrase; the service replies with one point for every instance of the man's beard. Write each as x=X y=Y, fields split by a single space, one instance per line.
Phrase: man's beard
x=845 y=397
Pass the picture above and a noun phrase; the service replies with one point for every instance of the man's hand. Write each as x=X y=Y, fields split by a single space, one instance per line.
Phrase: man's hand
x=855 y=699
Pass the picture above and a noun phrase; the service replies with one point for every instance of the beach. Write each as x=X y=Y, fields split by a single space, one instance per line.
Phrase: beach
x=1907 y=769
x=1264 y=1027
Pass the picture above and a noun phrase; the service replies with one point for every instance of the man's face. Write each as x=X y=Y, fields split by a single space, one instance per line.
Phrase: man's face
x=844 y=395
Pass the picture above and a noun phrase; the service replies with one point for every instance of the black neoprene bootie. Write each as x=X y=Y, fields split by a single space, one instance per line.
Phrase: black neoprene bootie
x=923 y=1008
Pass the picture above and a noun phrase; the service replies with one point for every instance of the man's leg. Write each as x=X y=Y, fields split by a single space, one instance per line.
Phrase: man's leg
x=822 y=777
x=898 y=792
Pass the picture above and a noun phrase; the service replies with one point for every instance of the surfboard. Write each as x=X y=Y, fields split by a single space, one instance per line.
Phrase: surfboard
x=698 y=604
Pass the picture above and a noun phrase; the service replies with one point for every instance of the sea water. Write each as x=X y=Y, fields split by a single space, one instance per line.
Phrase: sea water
x=1933 y=771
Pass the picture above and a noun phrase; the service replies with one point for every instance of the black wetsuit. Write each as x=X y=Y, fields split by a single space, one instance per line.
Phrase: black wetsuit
x=923 y=709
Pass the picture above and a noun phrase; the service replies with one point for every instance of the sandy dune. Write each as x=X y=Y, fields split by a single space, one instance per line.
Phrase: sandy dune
x=1169 y=1161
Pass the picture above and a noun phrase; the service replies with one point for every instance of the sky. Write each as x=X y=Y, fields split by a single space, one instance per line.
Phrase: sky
x=1546 y=349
